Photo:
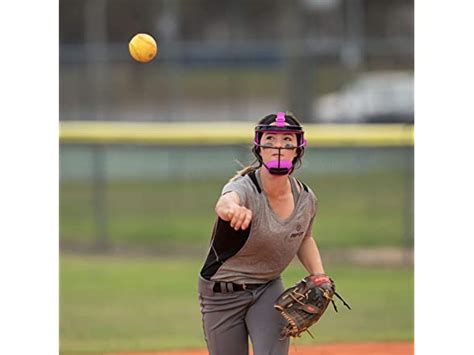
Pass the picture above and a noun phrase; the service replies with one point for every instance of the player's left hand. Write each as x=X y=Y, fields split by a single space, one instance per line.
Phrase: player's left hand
x=303 y=304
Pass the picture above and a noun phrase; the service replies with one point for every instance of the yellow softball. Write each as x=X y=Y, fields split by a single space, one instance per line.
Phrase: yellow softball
x=142 y=47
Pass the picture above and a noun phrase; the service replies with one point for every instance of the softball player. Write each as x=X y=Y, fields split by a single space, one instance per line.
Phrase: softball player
x=264 y=219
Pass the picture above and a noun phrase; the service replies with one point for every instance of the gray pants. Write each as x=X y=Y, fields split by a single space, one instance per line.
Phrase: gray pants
x=230 y=318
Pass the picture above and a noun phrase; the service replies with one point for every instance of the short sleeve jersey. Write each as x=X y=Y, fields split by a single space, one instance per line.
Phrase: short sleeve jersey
x=262 y=251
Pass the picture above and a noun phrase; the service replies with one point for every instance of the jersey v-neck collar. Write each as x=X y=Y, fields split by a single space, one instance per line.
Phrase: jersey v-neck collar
x=296 y=199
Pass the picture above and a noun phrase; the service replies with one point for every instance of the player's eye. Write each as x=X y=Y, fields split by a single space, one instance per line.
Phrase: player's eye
x=269 y=140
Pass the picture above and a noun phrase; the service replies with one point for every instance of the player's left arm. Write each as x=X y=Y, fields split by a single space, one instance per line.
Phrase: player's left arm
x=309 y=256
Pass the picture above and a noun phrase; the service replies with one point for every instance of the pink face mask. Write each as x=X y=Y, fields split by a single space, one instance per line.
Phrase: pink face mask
x=279 y=167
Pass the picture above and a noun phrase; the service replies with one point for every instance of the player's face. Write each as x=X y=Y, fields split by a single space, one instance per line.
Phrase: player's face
x=270 y=141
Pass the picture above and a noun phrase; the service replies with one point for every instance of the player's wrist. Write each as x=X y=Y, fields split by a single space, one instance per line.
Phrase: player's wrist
x=318 y=274
x=319 y=280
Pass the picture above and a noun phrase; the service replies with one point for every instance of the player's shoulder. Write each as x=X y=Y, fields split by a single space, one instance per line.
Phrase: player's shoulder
x=239 y=179
x=307 y=189
x=243 y=182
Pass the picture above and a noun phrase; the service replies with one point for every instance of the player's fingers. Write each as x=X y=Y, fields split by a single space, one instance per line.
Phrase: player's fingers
x=241 y=219
x=235 y=217
x=229 y=214
x=248 y=218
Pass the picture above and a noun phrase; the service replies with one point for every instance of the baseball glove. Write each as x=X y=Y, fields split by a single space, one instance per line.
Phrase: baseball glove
x=303 y=304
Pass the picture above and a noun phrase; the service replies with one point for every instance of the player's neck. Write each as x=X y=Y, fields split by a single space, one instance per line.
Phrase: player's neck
x=274 y=185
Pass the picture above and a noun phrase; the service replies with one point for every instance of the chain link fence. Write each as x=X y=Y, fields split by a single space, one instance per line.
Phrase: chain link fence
x=156 y=198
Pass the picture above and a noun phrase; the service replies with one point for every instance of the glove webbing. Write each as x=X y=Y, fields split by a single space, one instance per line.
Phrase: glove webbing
x=344 y=302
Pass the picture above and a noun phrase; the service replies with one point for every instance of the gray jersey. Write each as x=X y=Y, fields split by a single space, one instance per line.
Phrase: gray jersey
x=262 y=251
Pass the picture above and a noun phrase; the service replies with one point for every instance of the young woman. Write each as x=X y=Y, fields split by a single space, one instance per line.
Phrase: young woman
x=264 y=219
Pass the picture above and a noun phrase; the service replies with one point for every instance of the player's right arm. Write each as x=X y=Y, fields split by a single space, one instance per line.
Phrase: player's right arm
x=229 y=209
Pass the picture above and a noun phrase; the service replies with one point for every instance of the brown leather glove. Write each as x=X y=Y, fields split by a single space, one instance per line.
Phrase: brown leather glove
x=303 y=304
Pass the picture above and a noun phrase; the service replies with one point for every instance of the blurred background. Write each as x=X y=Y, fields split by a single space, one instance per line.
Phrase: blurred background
x=327 y=60
x=136 y=215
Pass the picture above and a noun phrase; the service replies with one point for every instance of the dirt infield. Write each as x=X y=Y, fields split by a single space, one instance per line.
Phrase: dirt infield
x=389 y=348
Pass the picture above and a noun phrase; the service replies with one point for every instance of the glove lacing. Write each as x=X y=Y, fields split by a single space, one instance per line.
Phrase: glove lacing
x=344 y=302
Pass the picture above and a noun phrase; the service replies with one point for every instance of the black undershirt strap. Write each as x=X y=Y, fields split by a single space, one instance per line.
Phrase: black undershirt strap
x=303 y=184
x=254 y=180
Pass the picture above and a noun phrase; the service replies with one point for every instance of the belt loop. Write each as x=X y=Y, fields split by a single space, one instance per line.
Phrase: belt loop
x=230 y=287
x=223 y=287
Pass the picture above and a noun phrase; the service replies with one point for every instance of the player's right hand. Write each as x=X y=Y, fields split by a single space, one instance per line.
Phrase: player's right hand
x=229 y=209
x=239 y=217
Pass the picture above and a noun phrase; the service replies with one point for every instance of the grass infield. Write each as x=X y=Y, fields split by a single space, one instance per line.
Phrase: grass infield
x=138 y=304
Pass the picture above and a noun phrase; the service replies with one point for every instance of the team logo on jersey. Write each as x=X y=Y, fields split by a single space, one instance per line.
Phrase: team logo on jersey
x=295 y=235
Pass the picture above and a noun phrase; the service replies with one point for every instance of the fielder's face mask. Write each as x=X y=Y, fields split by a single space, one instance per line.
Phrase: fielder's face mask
x=278 y=167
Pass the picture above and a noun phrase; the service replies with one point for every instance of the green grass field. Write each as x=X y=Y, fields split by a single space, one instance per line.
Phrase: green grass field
x=359 y=209
x=128 y=304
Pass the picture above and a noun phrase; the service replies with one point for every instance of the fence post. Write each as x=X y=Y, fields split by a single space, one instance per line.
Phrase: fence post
x=99 y=197
x=408 y=208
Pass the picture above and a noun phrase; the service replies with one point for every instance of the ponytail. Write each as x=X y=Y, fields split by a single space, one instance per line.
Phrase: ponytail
x=248 y=169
